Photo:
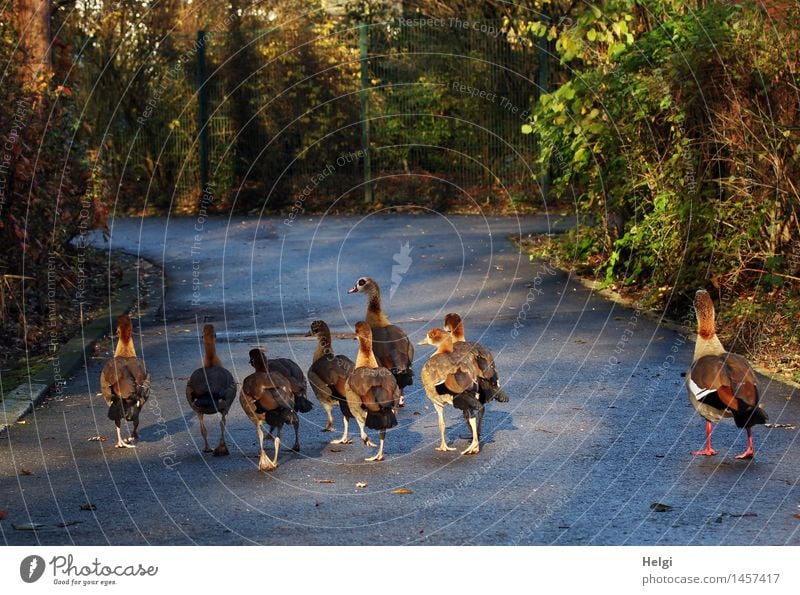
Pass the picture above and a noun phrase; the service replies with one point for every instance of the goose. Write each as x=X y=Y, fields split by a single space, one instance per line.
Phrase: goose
x=211 y=389
x=451 y=378
x=297 y=381
x=125 y=383
x=488 y=381
x=392 y=348
x=721 y=384
x=328 y=376
x=372 y=392
x=266 y=397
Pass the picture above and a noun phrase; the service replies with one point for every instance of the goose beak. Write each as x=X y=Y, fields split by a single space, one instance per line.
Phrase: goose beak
x=353 y=290
x=424 y=342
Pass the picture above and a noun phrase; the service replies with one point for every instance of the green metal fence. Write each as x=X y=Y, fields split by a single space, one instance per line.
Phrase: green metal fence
x=276 y=117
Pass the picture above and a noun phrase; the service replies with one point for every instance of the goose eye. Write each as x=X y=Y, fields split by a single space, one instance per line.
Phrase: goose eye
x=361 y=282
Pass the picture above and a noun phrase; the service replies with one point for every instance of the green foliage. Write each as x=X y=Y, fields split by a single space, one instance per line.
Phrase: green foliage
x=677 y=127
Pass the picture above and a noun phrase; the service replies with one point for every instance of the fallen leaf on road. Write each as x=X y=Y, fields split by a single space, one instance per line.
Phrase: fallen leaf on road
x=27 y=526
x=797 y=516
x=784 y=426
x=25 y=471
x=402 y=491
x=97 y=439
x=325 y=480
x=67 y=524
x=88 y=506
x=22 y=422
x=3 y=514
x=659 y=507
x=337 y=449
x=416 y=413
x=361 y=484
x=745 y=514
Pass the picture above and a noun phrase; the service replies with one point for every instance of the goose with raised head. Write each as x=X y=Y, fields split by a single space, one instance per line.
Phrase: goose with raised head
x=125 y=383
x=328 y=376
x=721 y=384
x=372 y=392
x=211 y=390
x=451 y=378
x=390 y=343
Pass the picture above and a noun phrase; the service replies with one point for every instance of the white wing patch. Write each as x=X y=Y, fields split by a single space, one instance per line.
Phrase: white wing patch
x=698 y=392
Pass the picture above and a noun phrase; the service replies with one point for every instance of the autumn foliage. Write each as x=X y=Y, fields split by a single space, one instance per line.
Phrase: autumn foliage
x=44 y=205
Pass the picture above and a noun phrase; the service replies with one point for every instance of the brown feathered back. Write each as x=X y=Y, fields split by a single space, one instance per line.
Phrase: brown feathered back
x=292 y=372
x=333 y=371
x=457 y=371
x=483 y=357
x=122 y=376
x=270 y=390
x=391 y=347
x=376 y=387
x=731 y=374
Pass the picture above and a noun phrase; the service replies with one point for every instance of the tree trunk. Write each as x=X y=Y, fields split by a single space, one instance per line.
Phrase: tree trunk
x=32 y=21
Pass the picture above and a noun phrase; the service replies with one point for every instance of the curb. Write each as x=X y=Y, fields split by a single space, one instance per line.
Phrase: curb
x=71 y=356
x=617 y=298
x=611 y=295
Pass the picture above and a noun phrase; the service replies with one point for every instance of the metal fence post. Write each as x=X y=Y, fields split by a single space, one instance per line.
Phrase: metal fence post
x=202 y=109
x=363 y=49
x=543 y=47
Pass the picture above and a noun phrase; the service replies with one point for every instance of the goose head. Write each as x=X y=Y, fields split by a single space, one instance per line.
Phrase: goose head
x=319 y=327
x=704 y=309
x=125 y=347
x=363 y=331
x=124 y=328
x=454 y=326
x=364 y=285
x=436 y=337
x=258 y=358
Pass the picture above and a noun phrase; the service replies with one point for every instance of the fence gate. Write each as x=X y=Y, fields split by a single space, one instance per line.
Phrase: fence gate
x=423 y=111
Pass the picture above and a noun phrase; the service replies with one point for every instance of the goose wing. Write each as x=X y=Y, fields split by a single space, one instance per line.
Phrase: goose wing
x=376 y=387
x=391 y=347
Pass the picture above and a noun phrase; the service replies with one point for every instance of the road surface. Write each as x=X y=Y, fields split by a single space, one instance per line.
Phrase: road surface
x=598 y=429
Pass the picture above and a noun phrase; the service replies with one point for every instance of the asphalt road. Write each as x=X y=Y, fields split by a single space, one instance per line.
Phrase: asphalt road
x=598 y=428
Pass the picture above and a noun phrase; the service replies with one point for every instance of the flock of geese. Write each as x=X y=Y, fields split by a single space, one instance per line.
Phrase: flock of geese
x=370 y=390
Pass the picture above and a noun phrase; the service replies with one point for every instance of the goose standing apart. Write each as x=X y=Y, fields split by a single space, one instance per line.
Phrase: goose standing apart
x=266 y=397
x=390 y=344
x=451 y=378
x=372 y=392
x=125 y=383
x=721 y=384
x=328 y=377
x=211 y=390
x=488 y=381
